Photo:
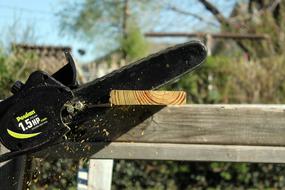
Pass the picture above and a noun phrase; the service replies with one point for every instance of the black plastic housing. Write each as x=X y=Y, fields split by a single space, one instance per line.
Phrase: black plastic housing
x=32 y=116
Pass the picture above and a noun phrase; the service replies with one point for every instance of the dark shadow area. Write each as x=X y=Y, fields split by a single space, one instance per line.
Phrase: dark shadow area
x=103 y=125
x=12 y=174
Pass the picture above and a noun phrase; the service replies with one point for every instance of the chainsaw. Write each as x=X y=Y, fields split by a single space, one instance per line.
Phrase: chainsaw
x=44 y=109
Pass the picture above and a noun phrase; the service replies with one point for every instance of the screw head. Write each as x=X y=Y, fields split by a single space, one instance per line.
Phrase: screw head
x=79 y=105
x=70 y=109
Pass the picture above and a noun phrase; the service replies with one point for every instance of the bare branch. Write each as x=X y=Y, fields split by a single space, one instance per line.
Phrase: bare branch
x=176 y=9
x=248 y=16
x=218 y=15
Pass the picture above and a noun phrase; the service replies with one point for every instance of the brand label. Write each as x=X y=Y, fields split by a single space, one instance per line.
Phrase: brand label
x=30 y=120
x=26 y=115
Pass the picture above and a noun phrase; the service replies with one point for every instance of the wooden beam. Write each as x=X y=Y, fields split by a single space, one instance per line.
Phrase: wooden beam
x=178 y=128
x=187 y=152
x=41 y=47
x=234 y=36
x=167 y=151
x=100 y=174
x=147 y=97
x=191 y=124
x=212 y=124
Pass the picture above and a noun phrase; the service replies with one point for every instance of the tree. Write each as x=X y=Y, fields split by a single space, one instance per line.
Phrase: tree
x=102 y=22
x=14 y=67
x=261 y=16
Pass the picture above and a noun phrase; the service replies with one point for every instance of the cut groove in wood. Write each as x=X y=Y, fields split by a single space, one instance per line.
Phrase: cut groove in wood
x=147 y=97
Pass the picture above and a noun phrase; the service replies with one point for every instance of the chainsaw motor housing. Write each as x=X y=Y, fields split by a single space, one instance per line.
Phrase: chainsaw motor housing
x=34 y=113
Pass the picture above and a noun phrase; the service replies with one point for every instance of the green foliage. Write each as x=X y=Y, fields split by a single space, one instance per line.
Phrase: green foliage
x=53 y=174
x=193 y=175
x=203 y=85
x=14 y=67
x=260 y=18
x=134 y=45
x=230 y=80
x=100 y=22
x=91 y=17
x=4 y=76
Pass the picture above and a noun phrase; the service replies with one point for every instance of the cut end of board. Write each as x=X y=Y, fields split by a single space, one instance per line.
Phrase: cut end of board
x=147 y=97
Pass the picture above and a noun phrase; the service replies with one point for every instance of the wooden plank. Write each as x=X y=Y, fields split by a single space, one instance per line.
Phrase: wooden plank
x=100 y=174
x=225 y=153
x=167 y=151
x=147 y=97
x=214 y=35
x=212 y=124
x=190 y=124
x=239 y=125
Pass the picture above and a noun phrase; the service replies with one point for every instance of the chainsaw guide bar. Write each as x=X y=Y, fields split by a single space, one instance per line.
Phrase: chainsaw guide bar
x=43 y=111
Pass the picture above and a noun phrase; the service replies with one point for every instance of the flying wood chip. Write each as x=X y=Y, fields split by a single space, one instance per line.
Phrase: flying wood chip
x=147 y=97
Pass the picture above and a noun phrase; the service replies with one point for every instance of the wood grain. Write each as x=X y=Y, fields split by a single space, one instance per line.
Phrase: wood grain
x=167 y=151
x=147 y=97
x=100 y=174
x=242 y=133
x=212 y=124
x=187 y=152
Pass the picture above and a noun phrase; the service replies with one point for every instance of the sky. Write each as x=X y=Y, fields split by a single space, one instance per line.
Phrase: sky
x=41 y=17
x=38 y=15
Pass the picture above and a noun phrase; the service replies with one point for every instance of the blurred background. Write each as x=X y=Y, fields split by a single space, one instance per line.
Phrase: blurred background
x=245 y=64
